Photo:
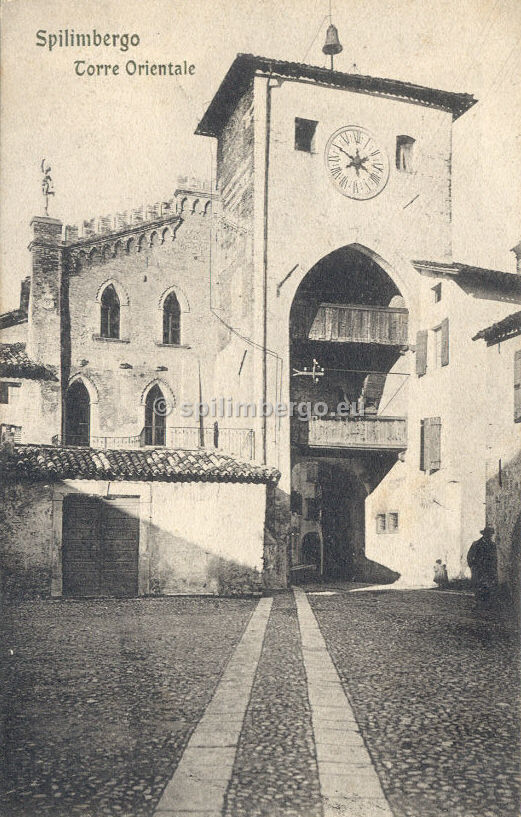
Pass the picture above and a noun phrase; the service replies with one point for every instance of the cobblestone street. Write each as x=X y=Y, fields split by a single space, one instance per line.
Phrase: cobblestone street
x=435 y=689
x=101 y=699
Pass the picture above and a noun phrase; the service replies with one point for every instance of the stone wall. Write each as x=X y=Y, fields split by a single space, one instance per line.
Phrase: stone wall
x=194 y=537
x=504 y=515
x=25 y=540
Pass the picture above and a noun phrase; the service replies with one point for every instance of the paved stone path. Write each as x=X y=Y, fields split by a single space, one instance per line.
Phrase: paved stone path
x=275 y=771
x=348 y=781
x=200 y=781
x=349 y=785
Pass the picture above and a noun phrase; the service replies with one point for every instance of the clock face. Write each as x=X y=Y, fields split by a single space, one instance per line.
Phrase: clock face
x=356 y=164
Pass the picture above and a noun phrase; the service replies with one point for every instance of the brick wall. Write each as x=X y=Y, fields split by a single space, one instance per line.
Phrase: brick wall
x=233 y=286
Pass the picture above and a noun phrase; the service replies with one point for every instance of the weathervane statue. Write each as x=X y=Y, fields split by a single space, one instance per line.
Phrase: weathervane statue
x=47 y=185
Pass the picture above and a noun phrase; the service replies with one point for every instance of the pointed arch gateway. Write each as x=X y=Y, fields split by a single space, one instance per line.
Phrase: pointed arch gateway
x=348 y=322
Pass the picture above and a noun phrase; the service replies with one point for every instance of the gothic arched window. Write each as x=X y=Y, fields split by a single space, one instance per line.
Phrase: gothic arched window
x=77 y=415
x=171 y=320
x=155 y=417
x=109 y=313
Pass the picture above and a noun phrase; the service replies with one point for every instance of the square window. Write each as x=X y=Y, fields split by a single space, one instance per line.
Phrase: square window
x=380 y=523
x=404 y=153
x=392 y=522
x=436 y=291
x=305 y=134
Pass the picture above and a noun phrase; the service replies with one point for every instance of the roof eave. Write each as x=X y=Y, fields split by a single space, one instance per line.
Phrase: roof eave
x=245 y=66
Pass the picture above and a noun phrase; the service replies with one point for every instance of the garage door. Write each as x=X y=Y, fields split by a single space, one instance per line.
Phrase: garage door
x=100 y=543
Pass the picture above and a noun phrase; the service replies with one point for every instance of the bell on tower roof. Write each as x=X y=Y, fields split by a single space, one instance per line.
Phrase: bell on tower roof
x=332 y=44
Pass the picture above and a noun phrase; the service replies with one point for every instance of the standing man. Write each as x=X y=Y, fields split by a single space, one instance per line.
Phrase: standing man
x=482 y=560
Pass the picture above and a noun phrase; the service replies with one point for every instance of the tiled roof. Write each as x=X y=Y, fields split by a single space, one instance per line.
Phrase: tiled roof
x=508 y=283
x=158 y=464
x=509 y=327
x=245 y=66
x=15 y=363
x=12 y=318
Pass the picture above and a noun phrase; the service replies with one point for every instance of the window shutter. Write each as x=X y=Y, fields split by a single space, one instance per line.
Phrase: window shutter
x=430 y=444
x=517 y=386
x=435 y=443
x=421 y=353
x=445 y=342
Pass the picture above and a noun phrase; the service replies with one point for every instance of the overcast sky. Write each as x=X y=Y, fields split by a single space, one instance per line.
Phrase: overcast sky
x=121 y=141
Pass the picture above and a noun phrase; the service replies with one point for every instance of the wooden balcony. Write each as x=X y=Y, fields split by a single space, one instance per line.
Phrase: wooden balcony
x=366 y=433
x=340 y=323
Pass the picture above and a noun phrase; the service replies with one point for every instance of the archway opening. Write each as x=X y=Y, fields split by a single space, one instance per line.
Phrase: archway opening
x=155 y=417
x=348 y=333
x=77 y=415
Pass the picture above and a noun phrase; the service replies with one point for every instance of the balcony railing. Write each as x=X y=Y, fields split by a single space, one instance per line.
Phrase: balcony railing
x=125 y=443
x=10 y=433
x=360 y=433
x=340 y=323
x=239 y=442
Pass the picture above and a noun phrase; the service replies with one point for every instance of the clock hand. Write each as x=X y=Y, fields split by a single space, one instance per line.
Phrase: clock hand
x=356 y=167
x=346 y=153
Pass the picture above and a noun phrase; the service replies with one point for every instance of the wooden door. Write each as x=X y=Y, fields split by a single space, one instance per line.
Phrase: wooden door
x=100 y=539
x=119 y=546
x=81 y=543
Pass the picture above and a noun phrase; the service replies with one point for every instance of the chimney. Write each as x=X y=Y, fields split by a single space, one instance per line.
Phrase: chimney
x=46 y=284
x=25 y=291
x=44 y=337
x=71 y=233
x=517 y=252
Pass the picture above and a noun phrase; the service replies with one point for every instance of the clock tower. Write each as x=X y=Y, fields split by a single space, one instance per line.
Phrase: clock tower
x=331 y=185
